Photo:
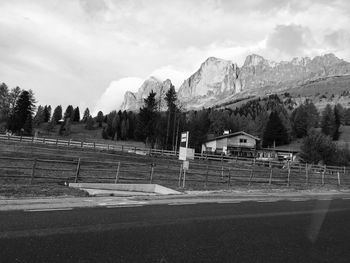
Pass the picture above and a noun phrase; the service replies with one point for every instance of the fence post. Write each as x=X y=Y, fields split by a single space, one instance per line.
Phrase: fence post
x=344 y=170
x=323 y=173
x=77 y=172
x=251 y=176
x=288 y=184
x=94 y=146
x=184 y=179
x=69 y=143
x=338 y=179
x=122 y=148
x=117 y=175
x=81 y=144
x=151 y=173
x=206 y=177
x=229 y=178
x=306 y=174
x=270 y=180
x=33 y=172
x=180 y=174
x=222 y=172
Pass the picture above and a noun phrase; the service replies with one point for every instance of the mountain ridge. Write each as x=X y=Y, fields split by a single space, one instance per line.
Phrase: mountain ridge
x=218 y=80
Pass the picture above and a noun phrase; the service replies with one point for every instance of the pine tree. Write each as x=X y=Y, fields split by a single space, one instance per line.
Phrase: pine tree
x=100 y=118
x=170 y=98
x=147 y=120
x=39 y=117
x=27 y=127
x=132 y=123
x=110 y=117
x=115 y=127
x=86 y=115
x=22 y=110
x=4 y=102
x=328 y=123
x=275 y=133
x=57 y=114
x=69 y=112
x=304 y=118
x=76 y=114
x=47 y=113
x=337 y=120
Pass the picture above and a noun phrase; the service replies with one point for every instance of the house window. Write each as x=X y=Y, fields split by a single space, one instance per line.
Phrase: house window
x=243 y=140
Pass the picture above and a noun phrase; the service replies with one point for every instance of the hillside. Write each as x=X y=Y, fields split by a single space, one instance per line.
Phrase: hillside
x=79 y=133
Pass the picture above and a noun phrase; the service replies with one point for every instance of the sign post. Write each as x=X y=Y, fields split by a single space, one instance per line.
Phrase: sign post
x=185 y=154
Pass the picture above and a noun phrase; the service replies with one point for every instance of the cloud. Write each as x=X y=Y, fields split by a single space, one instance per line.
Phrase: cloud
x=339 y=39
x=290 y=39
x=113 y=96
x=78 y=47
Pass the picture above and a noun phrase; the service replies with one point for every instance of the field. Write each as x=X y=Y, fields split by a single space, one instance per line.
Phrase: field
x=45 y=165
x=79 y=133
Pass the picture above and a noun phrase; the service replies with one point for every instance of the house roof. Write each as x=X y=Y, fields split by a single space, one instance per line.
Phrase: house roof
x=233 y=135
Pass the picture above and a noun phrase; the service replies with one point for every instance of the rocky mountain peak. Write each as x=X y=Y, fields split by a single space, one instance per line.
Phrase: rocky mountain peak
x=215 y=77
x=218 y=80
x=133 y=101
x=326 y=60
x=255 y=60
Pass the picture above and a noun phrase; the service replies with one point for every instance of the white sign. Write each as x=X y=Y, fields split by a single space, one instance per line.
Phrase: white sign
x=186 y=154
x=182 y=154
x=190 y=154
x=184 y=139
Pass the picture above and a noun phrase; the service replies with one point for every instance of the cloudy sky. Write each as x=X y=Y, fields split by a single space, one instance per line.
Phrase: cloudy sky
x=89 y=52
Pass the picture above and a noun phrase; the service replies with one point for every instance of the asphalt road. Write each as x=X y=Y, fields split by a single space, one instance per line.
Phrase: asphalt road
x=281 y=231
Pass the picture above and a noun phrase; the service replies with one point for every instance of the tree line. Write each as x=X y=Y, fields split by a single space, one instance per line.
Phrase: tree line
x=19 y=114
x=277 y=120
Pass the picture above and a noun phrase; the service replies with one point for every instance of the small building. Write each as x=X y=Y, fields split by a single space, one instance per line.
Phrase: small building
x=234 y=144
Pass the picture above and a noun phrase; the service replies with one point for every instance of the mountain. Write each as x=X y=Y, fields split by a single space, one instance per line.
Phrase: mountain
x=215 y=79
x=257 y=77
x=219 y=82
x=258 y=72
x=133 y=101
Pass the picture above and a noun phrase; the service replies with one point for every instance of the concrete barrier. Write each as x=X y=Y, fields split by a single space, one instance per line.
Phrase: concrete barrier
x=140 y=188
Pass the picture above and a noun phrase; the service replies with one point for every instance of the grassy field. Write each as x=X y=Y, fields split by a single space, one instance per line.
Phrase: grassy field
x=79 y=133
x=39 y=190
x=55 y=166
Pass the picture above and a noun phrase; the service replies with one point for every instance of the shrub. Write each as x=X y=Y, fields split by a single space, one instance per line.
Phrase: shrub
x=318 y=148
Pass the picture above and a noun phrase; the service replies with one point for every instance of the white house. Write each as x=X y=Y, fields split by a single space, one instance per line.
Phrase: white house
x=236 y=144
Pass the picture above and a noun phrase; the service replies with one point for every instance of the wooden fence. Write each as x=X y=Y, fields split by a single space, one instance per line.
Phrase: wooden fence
x=199 y=176
x=200 y=158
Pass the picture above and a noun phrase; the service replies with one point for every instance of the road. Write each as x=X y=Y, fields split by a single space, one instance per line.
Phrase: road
x=270 y=231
